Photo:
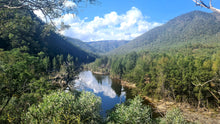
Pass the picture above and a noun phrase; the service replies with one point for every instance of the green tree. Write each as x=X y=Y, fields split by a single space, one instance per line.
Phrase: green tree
x=20 y=74
x=117 y=67
x=130 y=61
x=46 y=63
x=54 y=64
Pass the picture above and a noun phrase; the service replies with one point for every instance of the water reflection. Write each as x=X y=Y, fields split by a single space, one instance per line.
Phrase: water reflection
x=116 y=86
x=110 y=91
x=88 y=82
x=99 y=78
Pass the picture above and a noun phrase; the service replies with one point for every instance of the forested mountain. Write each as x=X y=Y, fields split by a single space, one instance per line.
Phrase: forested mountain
x=22 y=29
x=179 y=60
x=190 y=28
x=83 y=45
x=107 y=45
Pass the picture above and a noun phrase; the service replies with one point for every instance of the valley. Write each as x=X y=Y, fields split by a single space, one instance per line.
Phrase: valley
x=168 y=74
x=178 y=68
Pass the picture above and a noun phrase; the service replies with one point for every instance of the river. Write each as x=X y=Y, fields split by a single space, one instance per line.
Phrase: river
x=110 y=90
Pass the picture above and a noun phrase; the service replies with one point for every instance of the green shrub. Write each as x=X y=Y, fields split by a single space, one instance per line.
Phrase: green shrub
x=62 y=107
x=173 y=116
x=131 y=112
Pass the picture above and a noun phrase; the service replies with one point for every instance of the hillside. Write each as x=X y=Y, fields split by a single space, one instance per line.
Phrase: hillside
x=190 y=28
x=82 y=45
x=22 y=29
x=107 y=45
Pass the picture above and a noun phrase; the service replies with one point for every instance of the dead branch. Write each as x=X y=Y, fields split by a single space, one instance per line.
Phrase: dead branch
x=214 y=96
x=202 y=4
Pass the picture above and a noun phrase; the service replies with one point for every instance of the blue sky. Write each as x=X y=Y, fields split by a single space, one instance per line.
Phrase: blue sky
x=124 y=19
x=156 y=10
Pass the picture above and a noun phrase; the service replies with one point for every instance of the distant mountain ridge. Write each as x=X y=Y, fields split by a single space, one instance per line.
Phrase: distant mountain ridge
x=107 y=45
x=192 y=27
x=97 y=47
x=82 y=45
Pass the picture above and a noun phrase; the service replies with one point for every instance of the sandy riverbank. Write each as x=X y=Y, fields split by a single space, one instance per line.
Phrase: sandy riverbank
x=100 y=73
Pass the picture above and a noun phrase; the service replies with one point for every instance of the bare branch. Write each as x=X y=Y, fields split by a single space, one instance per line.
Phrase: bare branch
x=214 y=96
x=13 y=7
x=202 y=4
x=200 y=84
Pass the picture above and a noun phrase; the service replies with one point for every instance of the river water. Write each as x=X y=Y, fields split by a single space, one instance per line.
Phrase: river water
x=110 y=90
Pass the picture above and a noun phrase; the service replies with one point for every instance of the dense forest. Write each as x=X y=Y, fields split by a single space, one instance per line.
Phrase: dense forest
x=183 y=75
x=186 y=70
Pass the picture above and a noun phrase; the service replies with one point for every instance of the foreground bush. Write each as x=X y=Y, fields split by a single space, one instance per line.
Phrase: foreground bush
x=132 y=112
x=62 y=107
x=173 y=116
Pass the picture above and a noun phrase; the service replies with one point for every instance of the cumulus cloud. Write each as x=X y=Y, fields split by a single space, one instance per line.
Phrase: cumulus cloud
x=109 y=27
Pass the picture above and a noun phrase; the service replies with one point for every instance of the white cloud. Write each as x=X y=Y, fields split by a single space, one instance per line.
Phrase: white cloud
x=110 y=27
x=40 y=14
x=70 y=4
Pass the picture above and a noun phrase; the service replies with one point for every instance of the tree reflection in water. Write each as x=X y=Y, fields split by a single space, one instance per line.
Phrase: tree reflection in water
x=110 y=90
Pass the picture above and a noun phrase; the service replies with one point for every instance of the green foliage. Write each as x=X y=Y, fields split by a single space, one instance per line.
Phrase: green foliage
x=173 y=116
x=23 y=82
x=132 y=112
x=62 y=107
x=18 y=70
